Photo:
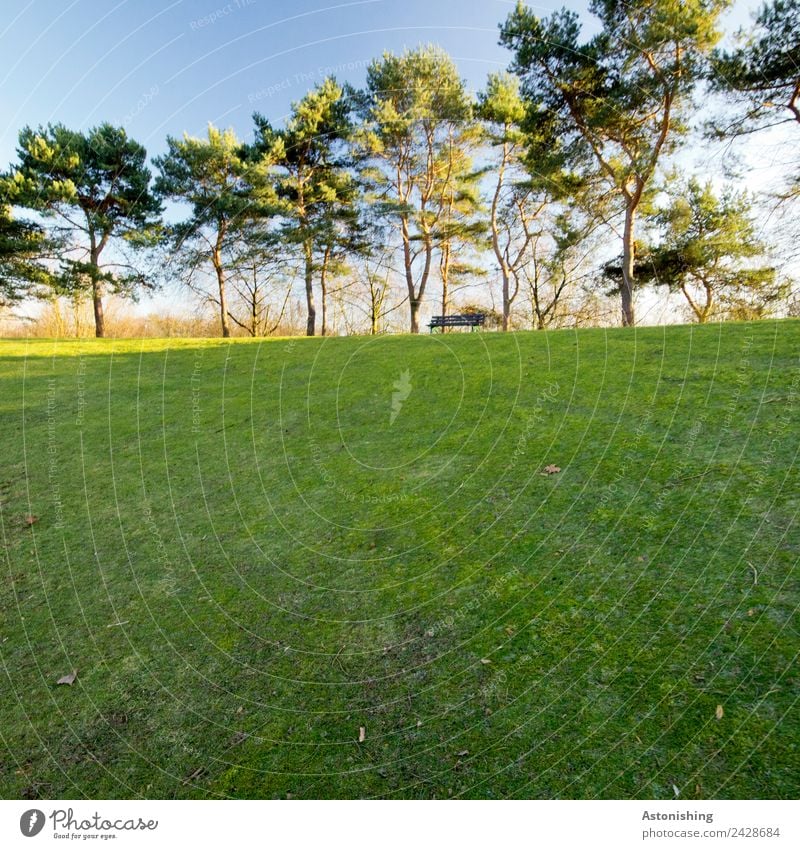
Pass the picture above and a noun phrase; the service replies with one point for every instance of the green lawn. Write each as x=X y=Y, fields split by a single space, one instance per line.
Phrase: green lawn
x=249 y=554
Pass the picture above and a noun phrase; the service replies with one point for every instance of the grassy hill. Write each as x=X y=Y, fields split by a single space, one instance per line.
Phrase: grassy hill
x=249 y=551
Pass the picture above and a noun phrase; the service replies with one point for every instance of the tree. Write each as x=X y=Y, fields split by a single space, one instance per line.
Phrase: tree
x=762 y=75
x=227 y=193
x=532 y=239
x=709 y=253
x=460 y=229
x=377 y=278
x=95 y=188
x=417 y=108
x=259 y=270
x=558 y=263
x=24 y=247
x=373 y=293
x=315 y=182
x=618 y=98
x=763 y=72
x=502 y=110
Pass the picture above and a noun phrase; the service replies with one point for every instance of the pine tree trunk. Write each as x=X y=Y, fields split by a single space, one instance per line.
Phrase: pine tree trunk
x=223 y=301
x=413 y=303
x=445 y=271
x=99 y=320
x=506 y=300
x=97 y=290
x=496 y=237
x=414 y=306
x=373 y=310
x=709 y=303
x=628 y=260
x=312 y=311
x=323 y=283
x=218 y=268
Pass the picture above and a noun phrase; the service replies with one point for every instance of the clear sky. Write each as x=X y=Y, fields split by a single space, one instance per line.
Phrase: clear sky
x=173 y=66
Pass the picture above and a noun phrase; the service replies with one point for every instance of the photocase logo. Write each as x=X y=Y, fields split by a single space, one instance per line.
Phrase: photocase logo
x=65 y=822
x=402 y=389
x=31 y=822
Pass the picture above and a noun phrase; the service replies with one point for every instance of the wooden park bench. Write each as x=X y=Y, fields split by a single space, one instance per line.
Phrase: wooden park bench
x=472 y=320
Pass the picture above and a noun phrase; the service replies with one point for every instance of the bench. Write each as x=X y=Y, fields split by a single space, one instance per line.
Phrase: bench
x=472 y=320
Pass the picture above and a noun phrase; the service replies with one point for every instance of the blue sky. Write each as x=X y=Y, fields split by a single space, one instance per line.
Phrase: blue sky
x=173 y=66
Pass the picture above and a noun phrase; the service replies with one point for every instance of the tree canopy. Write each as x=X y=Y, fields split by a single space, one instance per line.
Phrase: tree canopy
x=710 y=251
x=315 y=181
x=226 y=192
x=620 y=97
x=763 y=70
x=418 y=110
x=92 y=188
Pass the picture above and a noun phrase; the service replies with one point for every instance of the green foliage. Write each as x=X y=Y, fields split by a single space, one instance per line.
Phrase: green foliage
x=216 y=179
x=23 y=248
x=91 y=187
x=312 y=156
x=102 y=172
x=316 y=181
x=617 y=94
x=710 y=246
x=762 y=77
x=229 y=195
x=502 y=108
x=420 y=90
x=619 y=98
x=416 y=139
x=417 y=106
x=763 y=71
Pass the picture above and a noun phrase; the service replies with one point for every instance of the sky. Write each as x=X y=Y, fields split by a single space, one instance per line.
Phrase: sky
x=161 y=68
x=165 y=68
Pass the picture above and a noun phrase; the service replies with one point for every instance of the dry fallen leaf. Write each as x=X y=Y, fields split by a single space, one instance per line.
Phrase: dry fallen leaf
x=362 y=734
x=463 y=753
x=676 y=791
x=197 y=773
x=30 y=520
x=719 y=712
x=485 y=660
x=68 y=679
x=551 y=470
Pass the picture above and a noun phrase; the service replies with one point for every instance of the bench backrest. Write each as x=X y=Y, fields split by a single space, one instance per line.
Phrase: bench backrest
x=467 y=320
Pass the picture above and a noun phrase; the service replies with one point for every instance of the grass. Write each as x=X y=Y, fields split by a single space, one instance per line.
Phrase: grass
x=247 y=559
